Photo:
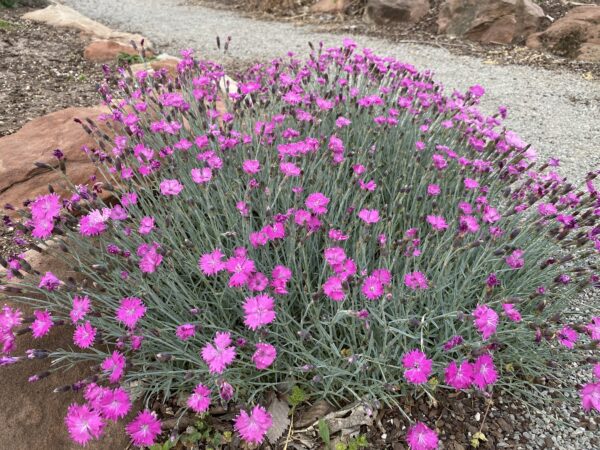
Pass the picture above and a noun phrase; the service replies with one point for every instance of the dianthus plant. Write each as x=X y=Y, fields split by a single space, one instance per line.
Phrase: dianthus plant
x=338 y=224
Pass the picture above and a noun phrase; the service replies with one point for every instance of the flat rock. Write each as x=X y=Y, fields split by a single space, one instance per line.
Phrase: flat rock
x=58 y=15
x=490 y=21
x=32 y=415
x=104 y=50
x=20 y=179
x=576 y=35
x=396 y=11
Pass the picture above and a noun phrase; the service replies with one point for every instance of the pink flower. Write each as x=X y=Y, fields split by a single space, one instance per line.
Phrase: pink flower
x=83 y=423
x=219 y=355
x=46 y=207
x=439 y=162
x=511 y=312
x=369 y=215
x=593 y=328
x=42 y=324
x=420 y=437
x=290 y=169
x=590 y=396
x=146 y=225
x=317 y=203
x=264 y=355
x=515 y=260
x=567 y=336
x=81 y=306
x=144 y=429
x=459 y=377
x=211 y=263
x=114 y=366
x=199 y=401
x=337 y=235
x=241 y=269
x=150 y=258
x=491 y=215
x=484 y=372
x=335 y=255
x=49 y=282
x=94 y=223
x=547 y=209
x=372 y=288
x=471 y=184
x=130 y=311
x=203 y=175
x=486 y=320
x=115 y=404
x=415 y=280
x=433 y=190
x=185 y=332
x=84 y=335
x=418 y=367
x=333 y=289
x=342 y=122
x=251 y=166
x=170 y=187
x=437 y=222
x=253 y=427
x=259 y=311
x=367 y=185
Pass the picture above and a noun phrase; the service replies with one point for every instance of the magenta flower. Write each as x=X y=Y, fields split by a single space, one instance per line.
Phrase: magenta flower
x=459 y=377
x=515 y=259
x=49 y=282
x=333 y=289
x=511 y=312
x=201 y=176
x=170 y=187
x=418 y=367
x=437 y=222
x=335 y=255
x=416 y=280
x=115 y=404
x=150 y=258
x=83 y=423
x=372 y=288
x=590 y=396
x=567 y=336
x=199 y=401
x=547 y=209
x=185 y=332
x=81 y=306
x=42 y=324
x=317 y=203
x=94 y=223
x=421 y=437
x=369 y=216
x=486 y=320
x=46 y=207
x=220 y=354
x=254 y=426
x=342 y=122
x=470 y=184
x=259 y=311
x=251 y=166
x=146 y=225
x=241 y=268
x=264 y=355
x=290 y=169
x=484 y=372
x=433 y=190
x=84 y=335
x=114 y=366
x=593 y=328
x=144 y=429
x=211 y=263
x=130 y=311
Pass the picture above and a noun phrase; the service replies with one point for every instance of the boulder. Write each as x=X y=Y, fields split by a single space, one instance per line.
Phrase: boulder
x=104 y=50
x=32 y=414
x=385 y=12
x=490 y=21
x=576 y=35
x=58 y=15
x=329 y=6
x=20 y=179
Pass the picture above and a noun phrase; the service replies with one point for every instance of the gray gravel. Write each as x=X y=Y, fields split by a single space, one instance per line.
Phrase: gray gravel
x=556 y=111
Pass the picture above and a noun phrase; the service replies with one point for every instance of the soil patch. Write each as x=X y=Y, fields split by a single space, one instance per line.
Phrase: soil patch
x=41 y=70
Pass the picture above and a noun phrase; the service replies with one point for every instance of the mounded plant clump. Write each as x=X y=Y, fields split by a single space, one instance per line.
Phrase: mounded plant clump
x=338 y=224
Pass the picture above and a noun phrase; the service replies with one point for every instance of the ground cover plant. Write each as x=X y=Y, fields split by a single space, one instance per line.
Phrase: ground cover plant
x=337 y=224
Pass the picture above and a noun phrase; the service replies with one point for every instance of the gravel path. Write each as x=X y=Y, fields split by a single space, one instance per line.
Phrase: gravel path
x=558 y=112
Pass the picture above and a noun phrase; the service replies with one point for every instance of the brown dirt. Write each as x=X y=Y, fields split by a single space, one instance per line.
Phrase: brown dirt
x=41 y=70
